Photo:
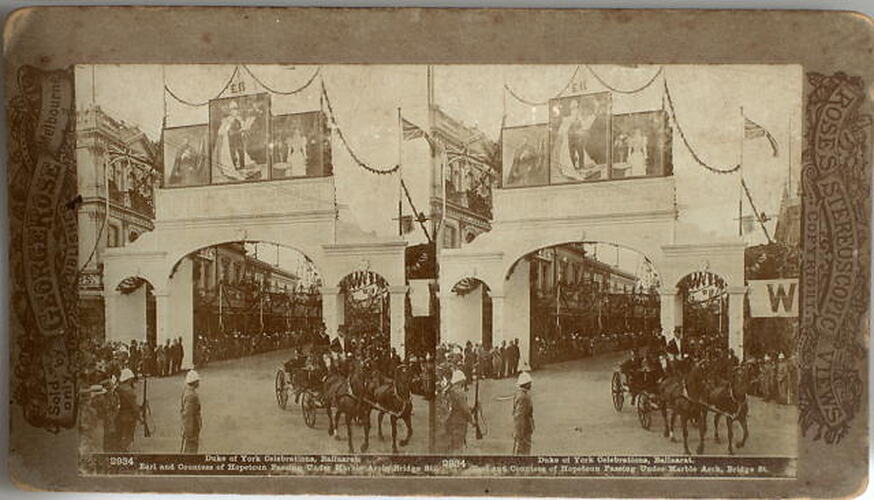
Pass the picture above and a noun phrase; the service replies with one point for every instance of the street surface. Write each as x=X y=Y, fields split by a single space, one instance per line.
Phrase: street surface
x=574 y=415
x=240 y=415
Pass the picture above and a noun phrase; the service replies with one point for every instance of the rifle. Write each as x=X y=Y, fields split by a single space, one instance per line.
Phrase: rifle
x=145 y=409
x=476 y=410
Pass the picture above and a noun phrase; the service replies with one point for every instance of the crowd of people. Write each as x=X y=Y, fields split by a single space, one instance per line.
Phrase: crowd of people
x=577 y=345
x=771 y=376
x=499 y=361
x=774 y=377
x=108 y=405
x=224 y=345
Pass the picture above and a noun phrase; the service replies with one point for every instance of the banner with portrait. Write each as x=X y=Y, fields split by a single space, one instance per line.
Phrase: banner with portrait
x=186 y=156
x=579 y=138
x=641 y=145
x=525 y=153
x=300 y=146
x=239 y=132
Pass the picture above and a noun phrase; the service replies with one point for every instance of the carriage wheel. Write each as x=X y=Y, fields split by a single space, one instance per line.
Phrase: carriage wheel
x=281 y=389
x=618 y=396
x=308 y=409
x=643 y=411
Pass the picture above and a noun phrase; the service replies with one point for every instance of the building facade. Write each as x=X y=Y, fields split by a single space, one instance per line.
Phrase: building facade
x=116 y=171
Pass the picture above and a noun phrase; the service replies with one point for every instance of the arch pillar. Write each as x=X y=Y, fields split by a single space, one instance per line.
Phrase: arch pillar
x=397 y=325
x=671 y=311
x=736 y=319
x=333 y=309
x=514 y=321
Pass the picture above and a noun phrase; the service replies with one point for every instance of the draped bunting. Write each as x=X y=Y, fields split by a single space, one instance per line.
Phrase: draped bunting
x=206 y=102
x=230 y=80
x=284 y=92
x=360 y=279
x=467 y=285
x=699 y=280
x=546 y=102
x=632 y=91
x=361 y=163
x=131 y=284
x=698 y=160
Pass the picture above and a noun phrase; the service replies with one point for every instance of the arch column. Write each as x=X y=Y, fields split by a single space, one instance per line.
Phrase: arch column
x=671 y=311
x=736 y=319
x=397 y=326
x=333 y=309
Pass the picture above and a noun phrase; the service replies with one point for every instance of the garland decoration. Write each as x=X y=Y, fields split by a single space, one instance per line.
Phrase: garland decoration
x=342 y=137
x=621 y=91
x=284 y=92
x=204 y=103
x=692 y=152
x=546 y=102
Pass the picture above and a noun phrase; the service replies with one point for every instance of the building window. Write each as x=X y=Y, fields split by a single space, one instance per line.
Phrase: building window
x=112 y=237
x=449 y=238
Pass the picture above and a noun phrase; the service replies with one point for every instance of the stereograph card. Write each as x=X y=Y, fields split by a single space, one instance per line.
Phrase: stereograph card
x=623 y=256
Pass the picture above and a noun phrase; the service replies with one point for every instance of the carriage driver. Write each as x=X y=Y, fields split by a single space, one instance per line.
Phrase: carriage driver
x=629 y=369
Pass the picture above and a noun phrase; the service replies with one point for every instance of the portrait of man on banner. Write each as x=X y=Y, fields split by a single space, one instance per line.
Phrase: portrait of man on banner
x=579 y=130
x=299 y=145
x=525 y=153
x=641 y=145
x=186 y=156
x=239 y=128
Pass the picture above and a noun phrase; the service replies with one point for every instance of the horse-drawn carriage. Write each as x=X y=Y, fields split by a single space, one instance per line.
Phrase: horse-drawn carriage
x=689 y=391
x=353 y=388
x=294 y=379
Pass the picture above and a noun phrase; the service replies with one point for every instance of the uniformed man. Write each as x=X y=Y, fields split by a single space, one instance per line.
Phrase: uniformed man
x=523 y=416
x=459 y=413
x=128 y=410
x=191 y=422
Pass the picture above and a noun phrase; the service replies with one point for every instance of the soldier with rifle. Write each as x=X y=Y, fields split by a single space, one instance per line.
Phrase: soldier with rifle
x=128 y=411
x=459 y=413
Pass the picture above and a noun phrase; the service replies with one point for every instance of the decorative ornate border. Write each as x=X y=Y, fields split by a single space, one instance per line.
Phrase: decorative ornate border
x=835 y=256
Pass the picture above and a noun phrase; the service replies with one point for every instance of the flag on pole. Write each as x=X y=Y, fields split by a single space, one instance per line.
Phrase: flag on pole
x=753 y=130
x=412 y=131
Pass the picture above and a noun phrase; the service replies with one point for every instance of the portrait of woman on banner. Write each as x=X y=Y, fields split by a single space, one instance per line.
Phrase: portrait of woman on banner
x=579 y=129
x=239 y=138
x=297 y=148
x=641 y=144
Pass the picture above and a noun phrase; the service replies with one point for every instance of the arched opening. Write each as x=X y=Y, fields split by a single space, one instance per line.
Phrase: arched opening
x=584 y=299
x=365 y=328
x=705 y=312
x=247 y=297
x=476 y=306
x=135 y=308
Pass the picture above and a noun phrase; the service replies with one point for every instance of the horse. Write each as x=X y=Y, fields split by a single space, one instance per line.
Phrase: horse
x=734 y=404
x=675 y=390
x=348 y=394
x=393 y=396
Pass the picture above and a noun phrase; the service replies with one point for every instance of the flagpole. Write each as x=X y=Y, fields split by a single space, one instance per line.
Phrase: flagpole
x=789 y=154
x=740 y=194
x=400 y=178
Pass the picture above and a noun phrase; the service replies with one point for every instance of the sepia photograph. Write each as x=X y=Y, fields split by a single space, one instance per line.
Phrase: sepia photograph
x=517 y=270
x=653 y=313
x=653 y=316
